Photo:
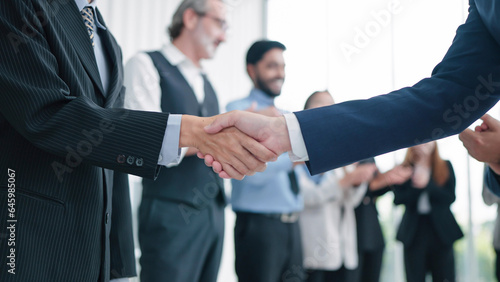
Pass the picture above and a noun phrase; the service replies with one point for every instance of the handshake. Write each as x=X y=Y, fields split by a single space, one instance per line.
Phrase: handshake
x=236 y=143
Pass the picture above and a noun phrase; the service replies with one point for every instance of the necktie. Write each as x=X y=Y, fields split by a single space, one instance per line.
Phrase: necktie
x=294 y=185
x=88 y=19
x=204 y=110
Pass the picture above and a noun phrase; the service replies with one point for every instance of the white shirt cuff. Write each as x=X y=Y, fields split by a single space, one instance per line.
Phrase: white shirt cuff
x=170 y=152
x=299 y=151
x=183 y=154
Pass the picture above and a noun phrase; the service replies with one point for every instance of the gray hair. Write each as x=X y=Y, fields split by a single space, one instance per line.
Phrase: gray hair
x=199 y=6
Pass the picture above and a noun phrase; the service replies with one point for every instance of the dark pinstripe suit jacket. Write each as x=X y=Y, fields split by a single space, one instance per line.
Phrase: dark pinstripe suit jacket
x=57 y=131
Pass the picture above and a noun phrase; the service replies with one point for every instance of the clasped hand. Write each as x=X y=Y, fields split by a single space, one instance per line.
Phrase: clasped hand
x=236 y=143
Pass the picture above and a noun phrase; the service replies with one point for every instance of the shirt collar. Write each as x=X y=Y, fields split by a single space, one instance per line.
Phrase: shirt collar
x=176 y=57
x=261 y=97
x=84 y=3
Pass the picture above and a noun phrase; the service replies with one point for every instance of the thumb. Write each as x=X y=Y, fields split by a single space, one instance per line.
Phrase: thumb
x=491 y=122
x=221 y=122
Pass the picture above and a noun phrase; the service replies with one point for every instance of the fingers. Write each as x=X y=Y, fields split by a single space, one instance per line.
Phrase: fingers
x=481 y=128
x=259 y=151
x=224 y=175
x=232 y=172
x=466 y=136
x=221 y=122
x=217 y=167
x=490 y=122
x=209 y=160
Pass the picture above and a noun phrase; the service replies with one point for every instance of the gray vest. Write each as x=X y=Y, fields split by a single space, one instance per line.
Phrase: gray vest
x=191 y=182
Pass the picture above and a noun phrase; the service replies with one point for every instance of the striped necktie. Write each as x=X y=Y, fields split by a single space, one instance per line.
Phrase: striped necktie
x=88 y=19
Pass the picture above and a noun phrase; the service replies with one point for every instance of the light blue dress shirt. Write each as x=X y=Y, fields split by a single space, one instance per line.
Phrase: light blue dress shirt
x=170 y=151
x=268 y=191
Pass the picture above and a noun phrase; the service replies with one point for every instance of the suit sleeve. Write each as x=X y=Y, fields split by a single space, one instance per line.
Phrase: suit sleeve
x=41 y=106
x=461 y=89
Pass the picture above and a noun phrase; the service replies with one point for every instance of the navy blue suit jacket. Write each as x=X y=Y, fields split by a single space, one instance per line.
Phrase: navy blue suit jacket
x=461 y=89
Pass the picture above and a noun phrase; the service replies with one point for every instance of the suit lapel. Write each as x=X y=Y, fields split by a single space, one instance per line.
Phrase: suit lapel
x=71 y=19
x=113 y=55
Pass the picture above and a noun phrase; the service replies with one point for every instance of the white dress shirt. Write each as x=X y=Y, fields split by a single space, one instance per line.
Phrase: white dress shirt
x=328 y=221
x=142 y=81
x=299 y=150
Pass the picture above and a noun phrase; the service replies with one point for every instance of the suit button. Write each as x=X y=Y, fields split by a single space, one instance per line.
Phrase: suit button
x=120 y=159
x=106 y=220
x=130 y=160
x=139 y=162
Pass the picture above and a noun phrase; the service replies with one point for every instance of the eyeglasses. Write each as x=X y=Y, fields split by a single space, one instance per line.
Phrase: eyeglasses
x=220 y=22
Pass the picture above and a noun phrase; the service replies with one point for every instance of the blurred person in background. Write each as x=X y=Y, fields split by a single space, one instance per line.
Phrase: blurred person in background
x=490 y=199
x=428 y=228
x=371 y=242
x=483 y=143
x=181 y=216
x=267 y=204
x=328 y=222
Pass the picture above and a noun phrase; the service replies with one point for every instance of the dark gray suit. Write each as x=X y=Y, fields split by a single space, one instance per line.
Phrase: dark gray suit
x=57 y=132
x=181 y=217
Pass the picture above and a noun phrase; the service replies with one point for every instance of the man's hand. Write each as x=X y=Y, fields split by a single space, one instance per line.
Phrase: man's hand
x=237 y=154
x=483 y=144
x=270 y=132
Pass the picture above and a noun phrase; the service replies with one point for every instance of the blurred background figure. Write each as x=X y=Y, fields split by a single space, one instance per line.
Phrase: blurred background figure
x=328 y=223
x=181 y=216
x=428 y=228
x=483 y=144
x=267 y=204
x=490 y=198
x=371 y=243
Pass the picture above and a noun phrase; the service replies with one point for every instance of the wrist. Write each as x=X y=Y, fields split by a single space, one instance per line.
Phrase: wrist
x=192 y=132
x=285 y=137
